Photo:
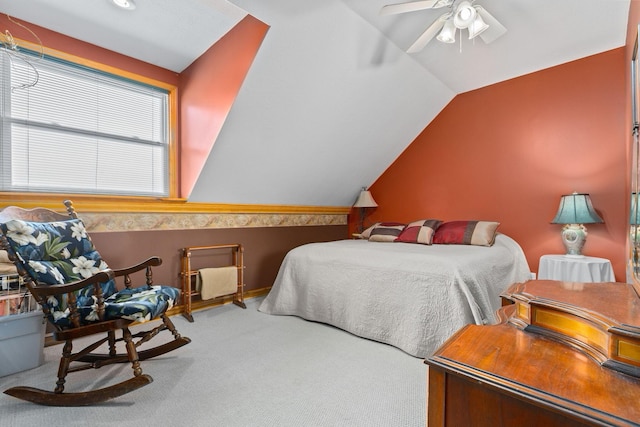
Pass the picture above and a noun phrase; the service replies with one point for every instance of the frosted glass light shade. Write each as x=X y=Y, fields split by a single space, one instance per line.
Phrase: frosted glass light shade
x=465 y=15
x=477 y=27
x=125 y=4
x=448 y=33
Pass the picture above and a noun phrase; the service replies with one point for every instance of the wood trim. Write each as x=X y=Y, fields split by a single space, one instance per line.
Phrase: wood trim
x=93 y=203
x=202 y=305
x=174 y=153
x=93 y=64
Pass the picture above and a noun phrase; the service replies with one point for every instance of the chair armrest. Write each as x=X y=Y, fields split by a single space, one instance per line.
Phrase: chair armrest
x=149 y=262
x=48 y=290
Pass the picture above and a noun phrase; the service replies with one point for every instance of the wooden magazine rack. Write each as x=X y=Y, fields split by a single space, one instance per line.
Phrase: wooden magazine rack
x=188 y=274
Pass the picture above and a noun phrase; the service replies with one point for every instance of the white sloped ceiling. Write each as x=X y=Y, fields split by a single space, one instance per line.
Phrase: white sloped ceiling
x=327 y=105
x=332 y=98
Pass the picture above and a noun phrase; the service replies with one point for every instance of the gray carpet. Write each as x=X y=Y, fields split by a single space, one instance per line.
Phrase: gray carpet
x=245 y=368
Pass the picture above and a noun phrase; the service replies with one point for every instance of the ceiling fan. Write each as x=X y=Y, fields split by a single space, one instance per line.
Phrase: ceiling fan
x=462 y=15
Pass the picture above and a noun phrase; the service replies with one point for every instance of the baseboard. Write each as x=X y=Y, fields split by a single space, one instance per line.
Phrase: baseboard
x=202 y=305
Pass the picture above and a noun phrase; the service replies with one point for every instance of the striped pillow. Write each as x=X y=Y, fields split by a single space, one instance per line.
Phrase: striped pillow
x=419 y=231
x=367 y=233
x=384 y=231
x=479 y=233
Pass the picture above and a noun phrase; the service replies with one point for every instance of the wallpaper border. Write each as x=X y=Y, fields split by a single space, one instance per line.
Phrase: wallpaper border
x=111 y=222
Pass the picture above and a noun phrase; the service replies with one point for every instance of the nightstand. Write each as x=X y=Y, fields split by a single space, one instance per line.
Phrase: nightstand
x=575 y=269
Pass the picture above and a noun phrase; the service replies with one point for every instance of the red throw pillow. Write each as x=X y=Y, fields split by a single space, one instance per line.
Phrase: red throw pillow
x=419 y=231
x=479 y=233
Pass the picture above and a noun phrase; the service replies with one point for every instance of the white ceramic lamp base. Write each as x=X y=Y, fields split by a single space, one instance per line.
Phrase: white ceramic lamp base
x=573 y=237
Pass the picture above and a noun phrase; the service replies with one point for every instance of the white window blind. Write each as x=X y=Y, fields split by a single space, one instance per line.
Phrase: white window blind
x=80 y=130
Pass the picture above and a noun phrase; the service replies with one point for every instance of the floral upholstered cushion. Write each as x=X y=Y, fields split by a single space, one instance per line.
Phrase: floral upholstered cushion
x=57 y=253
x=54 y=252
x=141 y=304
x=62 y=252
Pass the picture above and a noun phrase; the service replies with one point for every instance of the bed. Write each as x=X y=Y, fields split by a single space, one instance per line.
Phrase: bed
x=411 y=296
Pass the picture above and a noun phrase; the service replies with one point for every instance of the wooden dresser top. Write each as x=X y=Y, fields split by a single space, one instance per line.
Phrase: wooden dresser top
x=617 y=301
x=542 y=371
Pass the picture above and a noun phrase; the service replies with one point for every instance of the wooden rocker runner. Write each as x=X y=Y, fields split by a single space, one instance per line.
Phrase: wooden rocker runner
x=78 y=294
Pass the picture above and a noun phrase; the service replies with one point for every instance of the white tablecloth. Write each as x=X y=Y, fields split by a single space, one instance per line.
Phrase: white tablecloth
x=575 y=269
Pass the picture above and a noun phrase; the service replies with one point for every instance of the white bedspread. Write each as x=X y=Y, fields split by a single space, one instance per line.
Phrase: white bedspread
x=407 y=295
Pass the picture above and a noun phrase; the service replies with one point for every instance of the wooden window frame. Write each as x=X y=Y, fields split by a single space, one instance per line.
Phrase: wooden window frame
x=43 y=199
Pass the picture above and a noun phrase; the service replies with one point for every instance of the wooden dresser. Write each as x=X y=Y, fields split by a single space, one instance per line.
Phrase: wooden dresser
x=562 y=354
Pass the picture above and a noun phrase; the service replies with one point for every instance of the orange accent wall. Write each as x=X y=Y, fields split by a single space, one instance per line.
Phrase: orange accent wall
x=60 y=42
x=208 y=89
x=508 y=151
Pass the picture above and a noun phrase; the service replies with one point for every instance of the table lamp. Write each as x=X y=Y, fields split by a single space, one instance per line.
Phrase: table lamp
x=365 y=200
x=574 y=211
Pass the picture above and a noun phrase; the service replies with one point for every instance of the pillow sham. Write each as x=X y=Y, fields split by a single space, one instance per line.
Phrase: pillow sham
x=419 y=231
x=478 y=233
x=384 y=231
x=367 y=232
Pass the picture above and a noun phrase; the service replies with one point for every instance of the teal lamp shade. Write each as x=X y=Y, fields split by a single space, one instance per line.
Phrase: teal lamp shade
x=575 y=210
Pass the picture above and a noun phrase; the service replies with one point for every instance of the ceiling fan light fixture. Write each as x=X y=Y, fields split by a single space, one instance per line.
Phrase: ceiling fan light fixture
x=125 y=4
x=465 y=15
x=461 y=15
x=477 y=27
x=448 y=33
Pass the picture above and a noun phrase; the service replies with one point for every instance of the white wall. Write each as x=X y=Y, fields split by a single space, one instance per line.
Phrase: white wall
x=328 y=104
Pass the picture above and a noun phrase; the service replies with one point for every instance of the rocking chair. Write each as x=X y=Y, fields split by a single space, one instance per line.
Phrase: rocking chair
x=77 y=292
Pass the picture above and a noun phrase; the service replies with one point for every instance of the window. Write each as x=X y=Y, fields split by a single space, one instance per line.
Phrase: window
x=81 y=130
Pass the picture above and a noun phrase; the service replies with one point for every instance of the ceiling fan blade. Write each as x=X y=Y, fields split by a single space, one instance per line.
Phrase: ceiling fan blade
x=495 y=30
x=392 y=9
x=428 y=34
